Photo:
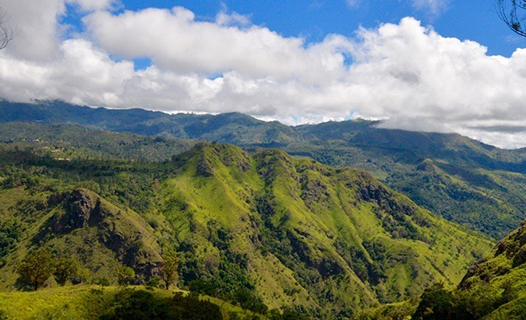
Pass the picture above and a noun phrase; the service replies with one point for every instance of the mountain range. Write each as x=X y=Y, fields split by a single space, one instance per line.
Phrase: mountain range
x=465 y=181
x=268 y=211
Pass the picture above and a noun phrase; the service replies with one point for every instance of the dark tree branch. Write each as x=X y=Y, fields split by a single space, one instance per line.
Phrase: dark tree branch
x=6 y=31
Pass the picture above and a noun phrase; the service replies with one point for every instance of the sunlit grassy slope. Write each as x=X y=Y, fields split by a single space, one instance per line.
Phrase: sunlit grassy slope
x=84 y=302
x=312 y=235
x=502 y=274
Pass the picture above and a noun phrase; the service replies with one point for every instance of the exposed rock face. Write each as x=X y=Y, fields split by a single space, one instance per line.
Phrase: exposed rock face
x=85 y=213
x=80 y=207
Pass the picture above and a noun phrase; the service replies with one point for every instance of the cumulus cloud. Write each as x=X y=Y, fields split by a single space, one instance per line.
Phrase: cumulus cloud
x=37 y=24
x=177 y=42
x=405 y=73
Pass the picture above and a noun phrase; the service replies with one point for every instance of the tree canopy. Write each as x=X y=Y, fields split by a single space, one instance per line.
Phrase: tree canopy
x=169 y=268
x=36 y=268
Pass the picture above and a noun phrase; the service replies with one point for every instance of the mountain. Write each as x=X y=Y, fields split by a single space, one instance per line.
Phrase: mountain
x=74 y=141
x=492 y=288
x=502 y=276
x=78 y=224
x=286 y=231
x=465 y=181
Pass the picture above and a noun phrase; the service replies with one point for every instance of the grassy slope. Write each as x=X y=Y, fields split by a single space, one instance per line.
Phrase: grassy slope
x=100 y=244
x=459 y=178
x=502 y=273
x=79 y=302
x=494 y=287
x=324 y=213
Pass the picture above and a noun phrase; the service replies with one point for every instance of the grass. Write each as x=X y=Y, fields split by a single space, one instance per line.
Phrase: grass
x=80 y=302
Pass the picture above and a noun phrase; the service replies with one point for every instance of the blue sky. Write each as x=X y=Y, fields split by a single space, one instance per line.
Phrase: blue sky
x=431 y=65
x=314 y=19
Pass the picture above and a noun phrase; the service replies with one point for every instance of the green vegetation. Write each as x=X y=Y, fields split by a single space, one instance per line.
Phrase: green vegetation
x=36 y=268
x=67 y=142
x=65 y=269
x=266 y=231
x=125 y=275
x=493 y=288
x=91 y=302
x=169 y=268
x=465 y=181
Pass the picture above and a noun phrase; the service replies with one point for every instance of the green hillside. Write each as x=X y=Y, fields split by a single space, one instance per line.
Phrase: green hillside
x=492 y=288
x=465 y=181
x=502 y=275
x=81 y=225
x=284 y=231
x=69 y=141
x=95 y=302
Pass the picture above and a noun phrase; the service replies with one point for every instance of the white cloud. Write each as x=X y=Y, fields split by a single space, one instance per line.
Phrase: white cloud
x=176 y=41
x=404 y=72
x=434 y=7
x=36 y=24
x=353 y=3
x=224 y=18
x=37 y=27
x=81 y=74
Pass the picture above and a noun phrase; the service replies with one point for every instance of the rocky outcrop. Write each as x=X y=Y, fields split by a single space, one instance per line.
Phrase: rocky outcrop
x=84 y=213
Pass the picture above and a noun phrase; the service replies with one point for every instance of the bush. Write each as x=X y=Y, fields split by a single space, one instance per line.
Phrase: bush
x=154 y=282
x=130 y=304
x=65 y=269
x=125 y=275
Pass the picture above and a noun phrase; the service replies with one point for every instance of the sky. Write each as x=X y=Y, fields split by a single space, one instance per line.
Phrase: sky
x=429 y=65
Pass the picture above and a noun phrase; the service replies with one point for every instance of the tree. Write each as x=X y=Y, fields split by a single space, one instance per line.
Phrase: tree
x=169 y=268
x=83 y=276
x=512 y=13
x=125 y=275
x=65 y=269
x=36 y=268
x=102 y=281
x=6 y=32
x=437 y=303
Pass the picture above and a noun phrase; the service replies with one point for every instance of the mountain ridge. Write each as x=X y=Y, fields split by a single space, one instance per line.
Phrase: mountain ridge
x=465 y=181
